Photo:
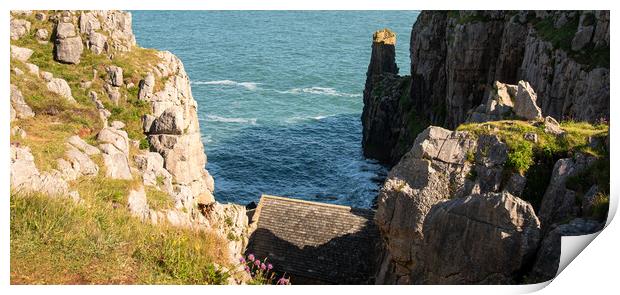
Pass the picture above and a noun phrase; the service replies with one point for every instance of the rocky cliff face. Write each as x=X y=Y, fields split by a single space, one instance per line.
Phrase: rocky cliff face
x=137 y=105
x=457 y=56
x=457 y=209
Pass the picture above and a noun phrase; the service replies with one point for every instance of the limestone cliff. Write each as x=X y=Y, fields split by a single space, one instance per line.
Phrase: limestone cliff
x=457 y=56
x=472 y=206
x=126 y=115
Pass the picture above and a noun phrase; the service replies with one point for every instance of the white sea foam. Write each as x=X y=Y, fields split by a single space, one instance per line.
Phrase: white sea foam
x=212 y=118
x=246 y=85
x=320 y=91
x=306 y=118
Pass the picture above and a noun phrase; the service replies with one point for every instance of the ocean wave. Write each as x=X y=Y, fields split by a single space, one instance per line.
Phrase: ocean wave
x=320 y=91
x=246 y=85
x=212 y=118
x=306 y=118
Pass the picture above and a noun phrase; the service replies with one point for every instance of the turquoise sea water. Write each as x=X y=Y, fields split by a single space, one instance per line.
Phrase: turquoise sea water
x=280 y=96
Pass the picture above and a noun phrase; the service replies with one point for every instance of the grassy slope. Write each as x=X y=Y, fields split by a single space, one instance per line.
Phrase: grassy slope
x=54 y=241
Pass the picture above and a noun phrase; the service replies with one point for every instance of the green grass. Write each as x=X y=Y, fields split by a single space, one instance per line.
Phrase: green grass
x=561 y=38
x=158 y=200
x=135 y=64
x=536 y=160
x=54 y=241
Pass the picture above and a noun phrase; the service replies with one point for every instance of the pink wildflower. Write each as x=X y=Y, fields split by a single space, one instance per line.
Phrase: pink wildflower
x=251 y=257
x=242 y=260
x=263 y=266
x=269 y=266
x=257 y=262
x=283 y=281
x=247 y=268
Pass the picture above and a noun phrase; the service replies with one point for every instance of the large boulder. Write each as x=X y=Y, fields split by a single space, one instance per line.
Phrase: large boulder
x=60 y=87
x=146 y=86
x=19 y=106
x=479 y=239
x=151 y=165
x=19 y=28
x=525 y=102
x=20 y=53
x=117 y=166
x=97 y=43
x=548 y=258
x=115 y=75
x=68 y=45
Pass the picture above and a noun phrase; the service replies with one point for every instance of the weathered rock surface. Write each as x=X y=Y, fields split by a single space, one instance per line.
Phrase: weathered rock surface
x=443 y=165
x=60 y=87
x=115 y=75
x=498 y=105
x=80 y=144
x=146 y=87
x=68 y=45
x=457 y=56
x=559 y=203
x=32 y=68
x=21 y=53
x=137 y=204
x=151 y=165
x=25 y=177
x=115 y=148
x=525 y=102
x=434 y=170
x=548 y=259
x=42 y=35
x=19 y=28
x=480 y=239
x=173 y=130
x=97 y=43
x=19 y=108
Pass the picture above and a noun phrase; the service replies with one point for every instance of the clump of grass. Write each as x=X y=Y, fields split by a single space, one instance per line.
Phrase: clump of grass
x=54 y=241
x=561 y=38
x=158 y=200
x=535 y=160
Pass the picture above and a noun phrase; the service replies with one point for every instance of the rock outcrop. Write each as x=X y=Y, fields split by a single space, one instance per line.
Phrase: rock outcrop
x=19 y=107
x=25 y=177
x=115 y=148
x=173 y=130
x=68 y=45
x=19 y=28
x=454 y=210
x=457 y=56
x=386 y=120
x=560 y=203
x=491 y=238
x=21 y=53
